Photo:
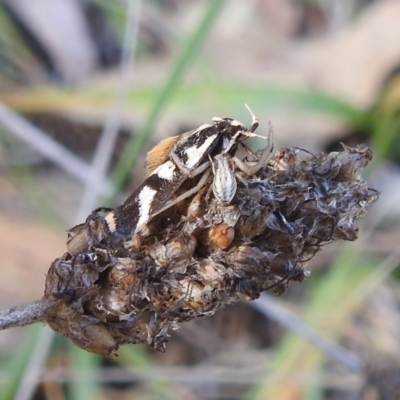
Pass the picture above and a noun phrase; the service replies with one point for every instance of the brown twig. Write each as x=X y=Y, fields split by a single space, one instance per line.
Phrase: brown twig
x=25 y=314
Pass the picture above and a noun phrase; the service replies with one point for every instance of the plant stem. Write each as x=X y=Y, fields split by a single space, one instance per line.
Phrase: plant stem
x=26 y=314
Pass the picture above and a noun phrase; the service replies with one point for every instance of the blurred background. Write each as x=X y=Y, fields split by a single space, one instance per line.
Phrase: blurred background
x=87 y=87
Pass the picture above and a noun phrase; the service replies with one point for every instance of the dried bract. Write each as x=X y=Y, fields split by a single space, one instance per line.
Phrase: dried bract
x=202 y=254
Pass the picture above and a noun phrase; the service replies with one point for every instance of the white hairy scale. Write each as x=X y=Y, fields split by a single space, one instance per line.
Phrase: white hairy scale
x=195 y=154
x=202 y=127
x=166 y=171
x=236 y=123
x=224 y=183
x=146 y=197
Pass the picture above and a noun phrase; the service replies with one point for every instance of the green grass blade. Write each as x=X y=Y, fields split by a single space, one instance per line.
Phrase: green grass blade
x=83 y=361
x=384 y=134
x=139 y=356
x=215 y=95
x=36 y=195
x=210 y=97
x=331 y=304
x=187 y=55
x=18 y=363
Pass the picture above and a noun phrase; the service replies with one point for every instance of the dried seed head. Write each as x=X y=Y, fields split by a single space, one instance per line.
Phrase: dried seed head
x=122 y=274
x=177 y=248
x=220 y=236
x=82 y=237
x=78 y=239
x=204 y=254
x=211 y=273
x=196 y=207
x=220 y=213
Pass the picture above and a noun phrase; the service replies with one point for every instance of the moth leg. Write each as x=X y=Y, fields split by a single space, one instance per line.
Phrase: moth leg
x=263 y=160
x=248 y=149
x=232 y=142
x=179 y=164
x=247 y=132
x=243 y=180
x=255 y=167
x=185 y=195
x=190 y=173
x=200 y=169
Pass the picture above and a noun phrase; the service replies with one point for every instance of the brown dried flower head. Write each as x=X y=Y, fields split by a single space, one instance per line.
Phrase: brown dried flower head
x=202 y=254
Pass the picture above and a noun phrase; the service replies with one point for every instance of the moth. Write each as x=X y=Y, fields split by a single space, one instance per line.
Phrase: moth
x=171 y=163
